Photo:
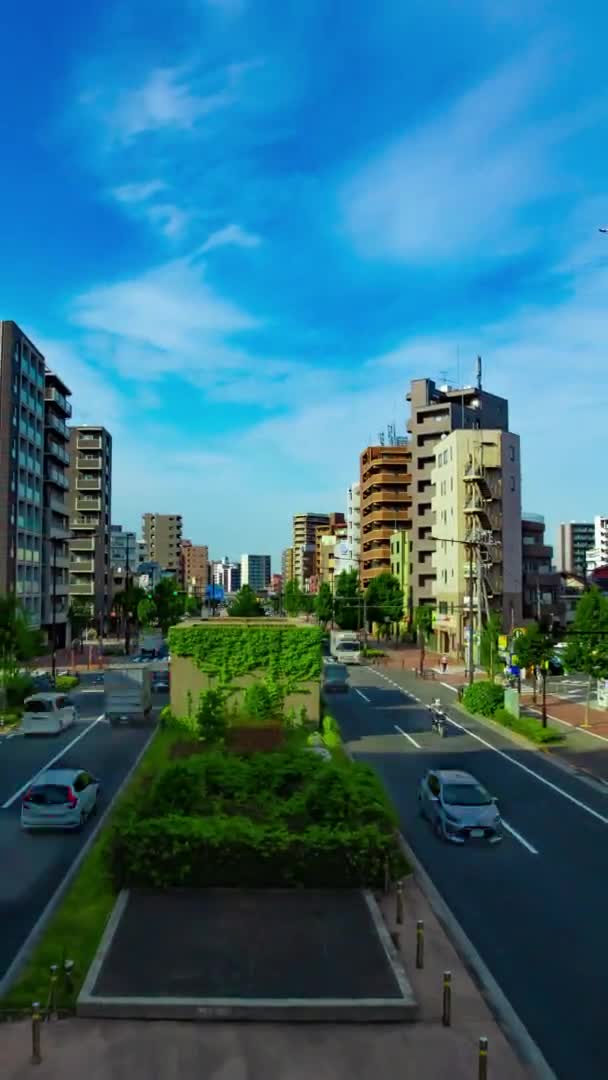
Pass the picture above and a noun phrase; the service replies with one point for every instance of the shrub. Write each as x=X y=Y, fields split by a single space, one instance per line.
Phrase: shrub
x=187 y=725
x=484 y=698
x=211 y=716
x=262 y=702
x=64 y=683
x=17 y=688
x=528 y=726
x=331 y=732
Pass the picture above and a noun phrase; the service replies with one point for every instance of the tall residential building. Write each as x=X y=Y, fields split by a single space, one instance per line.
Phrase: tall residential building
x=21 y=465
x=435 y=411
x=401 y=554
x=255 y=571
x=287 y=565
x=304 y=539
x=336 y=526
x=600 y=529
x=541 y=583
x=476 y=498
x=90 y=502
x=123 y=549
x=162 y=537
x=195 y=569
x=353 y=526
x=574 y=539
x=227 y=574
x=386 y=501
x=56 y=524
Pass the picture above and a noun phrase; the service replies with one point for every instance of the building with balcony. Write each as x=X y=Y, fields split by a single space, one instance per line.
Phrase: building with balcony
x=123 y=548
x=335 y=527
x=353 y=526
x=195 y=568
x=55 y=549
x=574 y=540
x=401 y=554
x=304 y=546
x=90 y=502
x=434 y=412
x=386 y=501
x=287 y=565
x=476 y=508
x=542 y=584
x=22 y=523
x=162 y=540
x=255 y=572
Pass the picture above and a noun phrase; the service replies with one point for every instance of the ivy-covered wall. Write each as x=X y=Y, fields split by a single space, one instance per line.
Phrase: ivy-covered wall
x=233 y=653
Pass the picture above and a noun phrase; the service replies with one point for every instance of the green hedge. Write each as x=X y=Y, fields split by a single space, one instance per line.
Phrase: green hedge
x=63 y=683
x=291 y=654
x=528 y=726
x=484 y=698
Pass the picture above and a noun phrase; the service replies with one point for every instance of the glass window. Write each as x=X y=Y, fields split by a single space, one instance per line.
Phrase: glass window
x=465 y=795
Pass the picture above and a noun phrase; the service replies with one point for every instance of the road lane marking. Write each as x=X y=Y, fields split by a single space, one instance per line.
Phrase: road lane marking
x=406 y=736
x=519 y=837
x=32 y=780
x=93 y=690
x=454 y=689
x=361 y=694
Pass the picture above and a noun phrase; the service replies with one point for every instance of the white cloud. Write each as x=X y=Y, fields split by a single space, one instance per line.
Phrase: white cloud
x=165 y=100
x=231 y=234
x=138 y=192
x=455 y=184
x=171 y=220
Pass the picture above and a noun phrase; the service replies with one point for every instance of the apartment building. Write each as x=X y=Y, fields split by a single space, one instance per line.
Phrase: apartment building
x=287 y=565
x=195 y=568
x=541 y=583
x=123 y=548
x=226 y=574
x=400 y=565
x=56 y=523
x=22 y=385
x=336 y=526
x=304 y=546
x=386 y=501
x=90 y=503
x=353 y=525
x=255 y=572
x=434 y=412
x=476 y=509
x=162 y=539
x=574 y=540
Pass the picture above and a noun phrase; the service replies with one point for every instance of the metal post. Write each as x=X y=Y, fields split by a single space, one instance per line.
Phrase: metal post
x=399 y=902
x=483 y=1059
x=420 y=944
x=127 y=618
x=36 y=1055
x=52 y=1006
x=446 y=1015
x=470 y=643
x=54 y=612
x=544 y=705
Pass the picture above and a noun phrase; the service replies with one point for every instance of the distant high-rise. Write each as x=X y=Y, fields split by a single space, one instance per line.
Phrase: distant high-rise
x=195 y=569
x=287 y=565
x=255 y=571
x=90 y=502
x=56 y=523
x=386 y=500
x=574 y=539
x=123 y=548
x=304 y=545
x=162 y=540
x=353 y=526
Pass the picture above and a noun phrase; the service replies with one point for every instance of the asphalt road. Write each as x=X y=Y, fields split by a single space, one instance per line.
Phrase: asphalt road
x=534 y=906
x=34 y=865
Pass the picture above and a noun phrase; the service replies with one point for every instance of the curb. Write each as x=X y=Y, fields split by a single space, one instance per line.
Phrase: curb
x=515 y=1031
x=26 y=949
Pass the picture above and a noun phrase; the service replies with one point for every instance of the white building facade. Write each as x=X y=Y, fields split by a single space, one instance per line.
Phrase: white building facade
x=351 y=558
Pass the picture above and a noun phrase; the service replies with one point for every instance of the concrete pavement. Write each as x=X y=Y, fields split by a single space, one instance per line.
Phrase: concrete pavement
x=545 y=884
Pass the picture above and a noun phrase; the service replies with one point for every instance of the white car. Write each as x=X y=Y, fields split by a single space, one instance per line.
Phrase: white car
x=60 y=799
x=47 y=714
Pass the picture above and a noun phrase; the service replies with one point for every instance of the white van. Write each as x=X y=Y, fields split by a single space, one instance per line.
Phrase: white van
x=47 y=714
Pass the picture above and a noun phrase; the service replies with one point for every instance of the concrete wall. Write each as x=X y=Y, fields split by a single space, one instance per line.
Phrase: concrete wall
x=185 y=676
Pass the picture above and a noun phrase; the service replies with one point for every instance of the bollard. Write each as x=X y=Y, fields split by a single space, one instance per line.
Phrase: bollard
x=51 y=1012
x=399 y=902
x=36 y=1056
x=483 y=1059
x=446 y=1016
x=420 y=944
x=68 y=981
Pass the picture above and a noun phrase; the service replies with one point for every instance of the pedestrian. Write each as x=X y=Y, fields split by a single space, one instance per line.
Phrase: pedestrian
x=444 y=664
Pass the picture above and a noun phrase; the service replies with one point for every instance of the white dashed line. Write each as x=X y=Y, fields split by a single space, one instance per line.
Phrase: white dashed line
x=454 y=689
x=519 y=837
x=17 y=795
x=406 y=736
x=361 y=694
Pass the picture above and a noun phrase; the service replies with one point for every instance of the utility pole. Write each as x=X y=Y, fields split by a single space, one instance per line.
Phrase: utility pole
x=479 y=598
x=54 y=612
x=471 y=668
x=127 y=612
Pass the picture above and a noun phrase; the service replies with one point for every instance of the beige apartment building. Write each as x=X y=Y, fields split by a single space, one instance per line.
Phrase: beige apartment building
x=386 y=501
x=304 y=545
x=90 y=504
x=195 y=568
x=287 y=565
x=162 y=540
x=476 y=506
x=434 y=412
x=336 y=526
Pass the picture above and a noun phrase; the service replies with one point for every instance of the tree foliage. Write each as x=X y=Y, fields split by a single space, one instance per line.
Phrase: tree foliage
x=19 y=642
x=533 y=648
x=324 y=603
x=294 y=599
x=384 y=599
x=79 y=615
x=347 y=601
x=587 y=648
x=246 y=604
x=488 y=645
x=423 y=619
x=146 y=611
x=169 y=603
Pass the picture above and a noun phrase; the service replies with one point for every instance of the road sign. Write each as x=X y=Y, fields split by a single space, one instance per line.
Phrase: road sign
x=214 y=592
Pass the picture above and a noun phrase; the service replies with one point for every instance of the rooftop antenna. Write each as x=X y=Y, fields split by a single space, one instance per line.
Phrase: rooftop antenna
x=479 y=373
x=381 y=438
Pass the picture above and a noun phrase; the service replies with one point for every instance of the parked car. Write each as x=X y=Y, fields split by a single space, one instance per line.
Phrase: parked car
x=47 y=714
x=458 y=806
x=161 y=686
x=60 y=799
x=335 y=678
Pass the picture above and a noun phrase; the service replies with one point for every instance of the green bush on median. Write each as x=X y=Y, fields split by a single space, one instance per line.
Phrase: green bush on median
x=483 y=698
x=528 y=726
x=64 y=683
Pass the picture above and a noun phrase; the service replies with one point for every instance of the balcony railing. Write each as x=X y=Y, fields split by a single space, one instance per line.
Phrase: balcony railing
x=54 y=476
x=52 y=394
x=83 y=543
x=85 y=522
x=54 y=449
x=88 y=502
x=89 y=442
x=82 y=566
x=89 y=461
x=88 y=484
x=82 y=588
x=56 y=424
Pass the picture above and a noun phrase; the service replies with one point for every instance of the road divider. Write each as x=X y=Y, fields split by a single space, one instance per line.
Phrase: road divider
x=32 y=780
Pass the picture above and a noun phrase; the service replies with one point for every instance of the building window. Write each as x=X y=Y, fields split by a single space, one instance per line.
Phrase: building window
x=512 y=453
x=512 y=483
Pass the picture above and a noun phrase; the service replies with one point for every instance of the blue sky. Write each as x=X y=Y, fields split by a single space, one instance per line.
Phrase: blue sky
x=239 y=229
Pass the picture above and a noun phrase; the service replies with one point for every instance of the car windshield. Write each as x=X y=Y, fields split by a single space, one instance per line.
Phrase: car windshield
x=335 y=672
x=465 y=795
x=348 y=646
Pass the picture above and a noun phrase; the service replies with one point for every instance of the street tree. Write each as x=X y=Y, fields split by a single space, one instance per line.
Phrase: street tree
x=535 y=648
x=384 y=599
x=348 y=601
x=146 y=611
x=324 y=603
x=423 y=621
x=488 y=644
x=587 y=648
x=293 y=600
x=79 y=616
x=169 y=603
x=192 y=606
x=246 y=604
x=19 y=642
x=127 y=603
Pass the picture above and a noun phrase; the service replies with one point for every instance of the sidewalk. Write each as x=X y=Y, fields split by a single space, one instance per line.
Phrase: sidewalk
x=227 y=1051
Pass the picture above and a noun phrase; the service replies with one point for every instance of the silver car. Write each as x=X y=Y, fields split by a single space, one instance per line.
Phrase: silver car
x=60 y=799
x=458 y=806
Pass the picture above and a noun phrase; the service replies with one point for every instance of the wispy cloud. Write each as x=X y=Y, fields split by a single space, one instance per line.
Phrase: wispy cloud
x=138 y=192
x=165 y=100
x=231 y=235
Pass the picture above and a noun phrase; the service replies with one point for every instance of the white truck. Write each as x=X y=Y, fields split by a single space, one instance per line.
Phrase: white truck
x=128 y=695
x=345 y=646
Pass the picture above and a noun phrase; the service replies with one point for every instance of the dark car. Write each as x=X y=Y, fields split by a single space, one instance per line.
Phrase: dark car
x=555 y=666
x=335 y=678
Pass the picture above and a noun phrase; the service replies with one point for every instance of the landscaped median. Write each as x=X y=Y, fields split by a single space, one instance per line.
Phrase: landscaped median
x=487 y=699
